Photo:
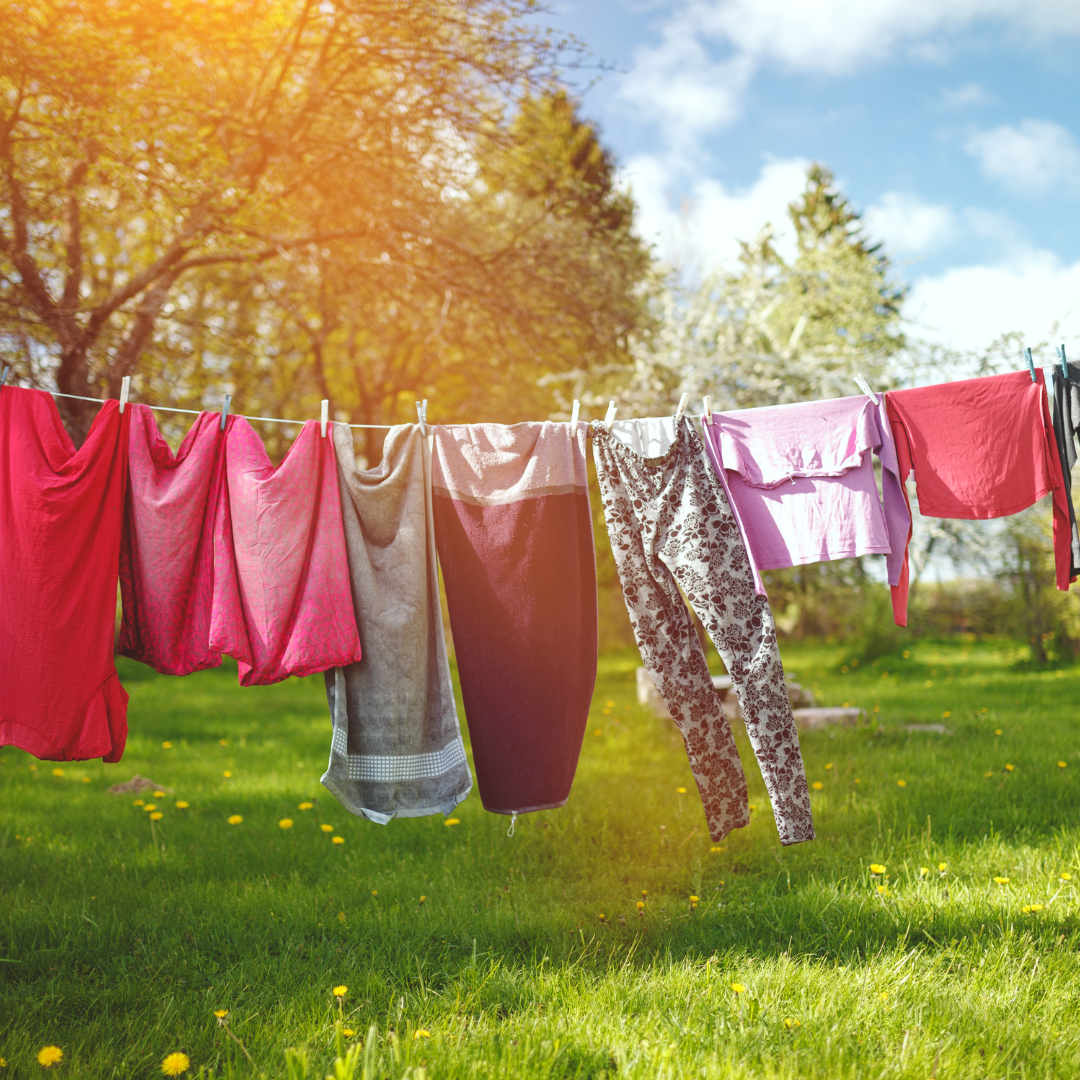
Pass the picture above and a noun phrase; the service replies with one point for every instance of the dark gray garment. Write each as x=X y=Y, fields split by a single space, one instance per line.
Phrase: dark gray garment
x=1065 y=412
x=397 y=747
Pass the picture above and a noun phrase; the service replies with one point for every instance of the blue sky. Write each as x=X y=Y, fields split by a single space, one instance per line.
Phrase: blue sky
x=953 y=125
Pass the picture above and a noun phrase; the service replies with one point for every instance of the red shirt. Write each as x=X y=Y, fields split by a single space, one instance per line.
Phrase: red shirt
x=61 y=511
x=980 y=448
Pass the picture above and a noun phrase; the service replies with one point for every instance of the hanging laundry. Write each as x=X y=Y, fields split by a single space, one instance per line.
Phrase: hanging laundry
x=167 y=554
x=396 y=749
x=800 y=479
x=1065 y=416
x=516 y=546
x=282 y=603
x=670 y=525
x=980 y=448
x=61 y=512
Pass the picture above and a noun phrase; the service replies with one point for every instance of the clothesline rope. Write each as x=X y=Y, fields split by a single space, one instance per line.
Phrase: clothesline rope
x=195 y=412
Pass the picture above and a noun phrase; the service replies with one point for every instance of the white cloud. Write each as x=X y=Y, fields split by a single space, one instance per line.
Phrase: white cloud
x=1033 y=157
x=700 y=225
x=963 y=97
x=682 y=83
x=909 y=226
x=968 y=307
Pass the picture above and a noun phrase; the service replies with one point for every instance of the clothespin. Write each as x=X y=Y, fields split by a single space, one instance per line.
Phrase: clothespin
x=1030 y=364
x=864 y=386
x=7 y=370
x=574 y=416
x=125 y=389
x=225 y=411
x=421 y=416
x=682 y=407
x=324 y=415
x=609 y=419
x=1060 y=352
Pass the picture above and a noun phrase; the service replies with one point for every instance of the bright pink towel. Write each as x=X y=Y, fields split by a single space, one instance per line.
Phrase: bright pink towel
x=60 y=517
x=282 y=601
x=167 y=555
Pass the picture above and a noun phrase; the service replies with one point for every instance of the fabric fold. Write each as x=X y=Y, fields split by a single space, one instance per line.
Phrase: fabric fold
x=515 y=543
x=1065 y=416
x=396 y=749
x=61 y=514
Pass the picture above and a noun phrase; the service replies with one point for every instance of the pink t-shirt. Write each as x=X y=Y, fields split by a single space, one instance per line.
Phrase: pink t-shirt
x=800 y=479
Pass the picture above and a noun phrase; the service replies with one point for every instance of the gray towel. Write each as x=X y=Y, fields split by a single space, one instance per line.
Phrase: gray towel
x=397 y=747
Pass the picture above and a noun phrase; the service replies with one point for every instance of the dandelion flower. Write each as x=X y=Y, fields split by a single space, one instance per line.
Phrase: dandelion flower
x=86 y=779
x=1009 y=768
x=718 y=847
x=791 y=1022
x=149 y=807
x=817 y=785
x=157 y=815
x=326 y=828
x=943 y=866
x=877 y=868
x=58 y=772
x=221 y=1013
x=348 y=1032
x=227 y=774
x=597 y=731
x=640 y=905
x=175 y=1064
x=882 y=889
x=48 y=1056
x=997 y=731
x=374 y=892
x=159 y=794
x=901 y=783
x=946 y=714
x=644 y=894
x=906 y=654
x=421 y=1033
x=181 y=805
x=235 y=819
x=452 y=821
x=340 y=991
x=305 y=806
x=1002 y=880
x=1027 y=909
x=223 y=742
x=829 y=766
x=1062 y=764
x=167 y=745
x=1066 y=876
x=680 y=790
x=422 y=899
x=857 y=780
x=738 y=988
x=693 y=899
x=138 y=802
x=285 y=823
x=337 y=840
x=883 y=995
x=987 y=775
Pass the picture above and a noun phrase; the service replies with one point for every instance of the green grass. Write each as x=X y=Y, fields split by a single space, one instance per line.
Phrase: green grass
x=118 y=940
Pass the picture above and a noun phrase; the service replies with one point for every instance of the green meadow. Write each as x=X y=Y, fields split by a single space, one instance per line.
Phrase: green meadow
x=930 y=931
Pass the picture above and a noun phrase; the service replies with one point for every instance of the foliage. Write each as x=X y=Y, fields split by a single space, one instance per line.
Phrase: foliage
x=215 y=195
x=119 y=939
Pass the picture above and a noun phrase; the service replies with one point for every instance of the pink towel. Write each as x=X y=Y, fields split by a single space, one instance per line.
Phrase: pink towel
x=224 y=553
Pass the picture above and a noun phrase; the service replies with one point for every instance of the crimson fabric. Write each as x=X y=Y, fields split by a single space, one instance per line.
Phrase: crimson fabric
x=282 y=599
x=514 y=535
x=980 y=448
x=167 y=554
x=61 y=511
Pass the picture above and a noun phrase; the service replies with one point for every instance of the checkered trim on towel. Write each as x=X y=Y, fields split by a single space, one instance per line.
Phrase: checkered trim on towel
x=394 y=768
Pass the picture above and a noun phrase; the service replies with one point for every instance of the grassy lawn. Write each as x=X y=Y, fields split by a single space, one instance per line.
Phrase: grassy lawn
x=471 y=953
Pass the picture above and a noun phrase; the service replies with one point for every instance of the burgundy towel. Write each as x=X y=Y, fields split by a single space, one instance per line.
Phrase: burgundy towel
x=514 y=534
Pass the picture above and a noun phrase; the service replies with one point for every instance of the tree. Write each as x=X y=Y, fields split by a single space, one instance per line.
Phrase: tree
x=170 y=175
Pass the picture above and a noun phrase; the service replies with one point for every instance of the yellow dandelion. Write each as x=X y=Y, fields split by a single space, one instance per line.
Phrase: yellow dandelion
x=901 y=783
x=421 y=1033
x=1062 y=764
x=48 y=1056
x=923 y=871
x=221 y=1013
x=1028 y=909
x=943 y=866
x=159 y=794
x=738 y=988
x=337 y=840
x=946 y=714
x=235 y=819
x=348 y=1032
x=1002 y=880
x=86 y=779
x=452 y=821
x=138 y=802
x=883 y=995
x=693 y=899
x=817 y=785
x=1009 y=768
x=857 y=780
x=883 y=889
x=1066 y=876
x=997 y=731
x=157 y=815
x=305 y=806
x=340 y=991
x=223 y=742
x=58 y=772
x=181 y=805
x=640 y=905
x=987 y=775
x=644 y=894
x=227 y=774
x=374 y=892
x=829 y=766
x=790 y=1023
x=149 y=807
x=285 y=823
x=718 y=847
x=877 y=868
x=167 y=745
x=422 y=899
x=327 y=828
x=906 y=654
x=597 y=731
x=175 y=1064
x=680 y=790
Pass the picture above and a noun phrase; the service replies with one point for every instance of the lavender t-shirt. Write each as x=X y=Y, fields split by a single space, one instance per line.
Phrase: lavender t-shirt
x=800 y=479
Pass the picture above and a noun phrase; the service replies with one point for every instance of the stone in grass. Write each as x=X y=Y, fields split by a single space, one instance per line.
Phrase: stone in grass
x=816 y=719
x=648 y=695
x=137 y=783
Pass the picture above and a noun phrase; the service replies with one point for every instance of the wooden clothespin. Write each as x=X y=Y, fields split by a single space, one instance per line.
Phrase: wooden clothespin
x=574 y=417
x=324 y=416
x=1060 y=352
x=707 y=402
x=1030 y=364
x=421 y=416
x=682 y=407
x=609 y=419
x=225 y=411
x=864 y=386
x=125 y=389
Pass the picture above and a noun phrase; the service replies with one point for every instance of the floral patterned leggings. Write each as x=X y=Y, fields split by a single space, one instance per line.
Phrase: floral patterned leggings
x=671 y=525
